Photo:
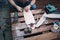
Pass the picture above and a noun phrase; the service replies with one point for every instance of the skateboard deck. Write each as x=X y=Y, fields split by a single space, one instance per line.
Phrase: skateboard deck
x=45 y=15
x=42 y=19
x=52 y=15
x=29 y=19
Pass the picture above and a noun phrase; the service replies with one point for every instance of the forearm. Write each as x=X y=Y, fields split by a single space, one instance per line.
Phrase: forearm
x=32 y=2
x=12 y=3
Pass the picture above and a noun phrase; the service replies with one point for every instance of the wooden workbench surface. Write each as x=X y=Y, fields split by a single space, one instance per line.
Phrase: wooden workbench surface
x=44 y=36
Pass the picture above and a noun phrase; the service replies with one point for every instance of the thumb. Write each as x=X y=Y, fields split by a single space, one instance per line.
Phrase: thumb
x=26 y=10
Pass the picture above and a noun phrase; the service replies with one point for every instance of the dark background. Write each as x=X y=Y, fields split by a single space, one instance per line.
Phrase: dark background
x=42 y=3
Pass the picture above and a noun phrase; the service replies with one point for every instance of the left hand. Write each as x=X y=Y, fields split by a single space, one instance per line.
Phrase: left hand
x=27 y=8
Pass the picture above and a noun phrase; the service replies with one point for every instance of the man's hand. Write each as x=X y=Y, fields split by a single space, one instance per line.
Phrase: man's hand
x=27 y=8
x=19 y=9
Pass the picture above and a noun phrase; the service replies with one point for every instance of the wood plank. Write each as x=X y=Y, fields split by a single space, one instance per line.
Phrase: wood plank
x=22 y=25
x=18 y=26
x=22 y=19
x=45 y=36
x=41 y=29
x=38 y=11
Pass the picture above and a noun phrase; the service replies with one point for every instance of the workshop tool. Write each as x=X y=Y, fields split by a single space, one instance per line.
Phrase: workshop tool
x=50 y=8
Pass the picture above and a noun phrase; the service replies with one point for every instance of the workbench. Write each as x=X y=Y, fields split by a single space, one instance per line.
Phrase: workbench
x=41 y=33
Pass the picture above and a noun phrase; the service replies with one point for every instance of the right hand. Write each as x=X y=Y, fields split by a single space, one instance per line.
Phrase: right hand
x=27 y=8
x=19 y=9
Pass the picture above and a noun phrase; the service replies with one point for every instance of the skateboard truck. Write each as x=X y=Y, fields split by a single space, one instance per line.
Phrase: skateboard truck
x=27 y=30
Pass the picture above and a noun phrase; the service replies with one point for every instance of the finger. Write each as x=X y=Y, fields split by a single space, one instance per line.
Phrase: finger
x=26 y=9
x=20 y=10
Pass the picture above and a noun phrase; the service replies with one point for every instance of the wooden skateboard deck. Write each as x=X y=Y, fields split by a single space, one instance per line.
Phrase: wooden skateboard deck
x=42 y=19
x=45 y=15
x=29 y=19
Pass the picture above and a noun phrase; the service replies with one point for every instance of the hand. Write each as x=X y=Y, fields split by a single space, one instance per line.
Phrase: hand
x=27 y=8
x=19 y=9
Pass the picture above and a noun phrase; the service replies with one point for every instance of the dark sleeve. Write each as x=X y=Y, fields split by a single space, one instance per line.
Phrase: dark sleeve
x=3 y=1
